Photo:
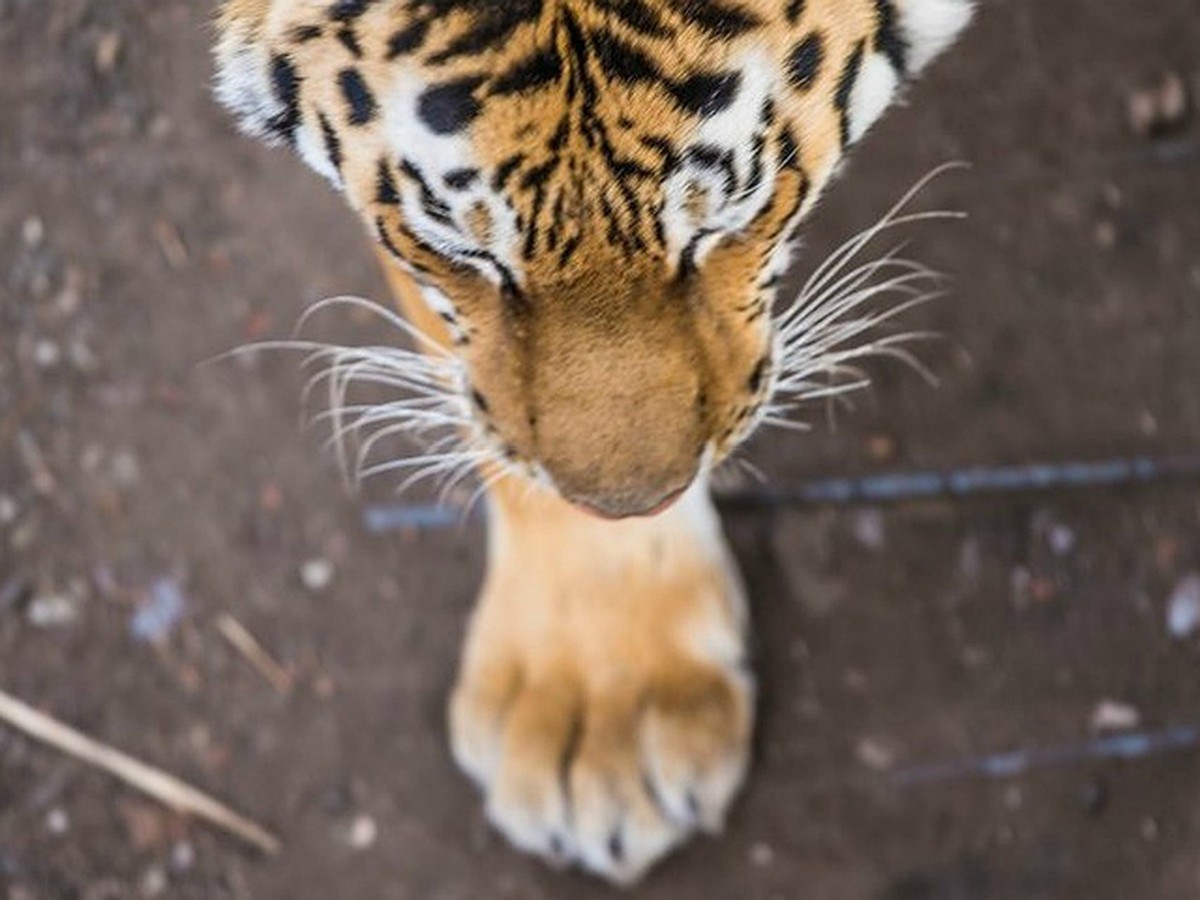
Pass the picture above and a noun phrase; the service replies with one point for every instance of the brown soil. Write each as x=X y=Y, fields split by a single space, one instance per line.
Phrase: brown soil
x=139 y=236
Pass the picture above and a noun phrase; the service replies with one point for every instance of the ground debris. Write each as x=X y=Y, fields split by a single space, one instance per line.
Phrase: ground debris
x=53 y=610
x=160 y=613
x=317 y=574
x=1183 y=608
x=1159 y=108
x=1111 y=715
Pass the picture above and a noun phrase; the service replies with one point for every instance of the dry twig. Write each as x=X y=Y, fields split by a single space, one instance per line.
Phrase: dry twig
x=165 y=788
x=247 y=645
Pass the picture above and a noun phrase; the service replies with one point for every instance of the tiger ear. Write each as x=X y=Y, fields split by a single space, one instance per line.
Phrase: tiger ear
x=910 y=35
x=930 y=26
x=259 y=90
x=259 y=84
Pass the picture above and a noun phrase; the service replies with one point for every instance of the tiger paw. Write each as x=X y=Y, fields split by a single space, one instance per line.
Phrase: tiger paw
x=604 y=705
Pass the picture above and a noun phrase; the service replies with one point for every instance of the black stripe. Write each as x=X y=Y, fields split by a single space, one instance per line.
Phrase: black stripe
x=348 y=10
x=385 y=185
x=460 y=179
x=637 y=15
x=358 y=97
x=406 y=40
x=888 y=39
x=707 y=94
x=529 y=74
x=349 y=40
x=285 y=82
x=450 y=107
x=302 y=34
x=845 y=89
x=333 y=144
x=621 y=61
x=804 y=62
x=495 y=22
x=717 y=18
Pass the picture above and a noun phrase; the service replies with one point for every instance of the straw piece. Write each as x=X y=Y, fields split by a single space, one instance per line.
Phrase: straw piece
x=155 y=783
x=248 y=646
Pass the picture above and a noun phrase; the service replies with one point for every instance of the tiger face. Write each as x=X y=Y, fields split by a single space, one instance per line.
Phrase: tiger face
x=596 y=196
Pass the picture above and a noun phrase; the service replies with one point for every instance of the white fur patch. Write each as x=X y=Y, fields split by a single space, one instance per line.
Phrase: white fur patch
x=243 y=84
x=930 y=26
x=873 y=92
x=734 y=131
x=437 y=155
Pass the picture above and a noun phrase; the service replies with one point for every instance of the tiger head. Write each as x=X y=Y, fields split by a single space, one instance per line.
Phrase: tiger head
x=596 y=196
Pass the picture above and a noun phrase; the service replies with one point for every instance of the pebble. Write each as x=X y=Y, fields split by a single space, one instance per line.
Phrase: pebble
x=1183 y=608
x=153 y=882
x=125 y=469
x=1061 y=539
x=58 y=822
x=108 y=52
x=46 y=354
x=875 y=755
x=762 y=855
x=317 y=574
x=183 y=856
x=870 y=529
x=363 y=832
x=52 y=611
x=8 y=510
x=1159 y=108
x=33 y=231
x=1150 y=830
x=1110 y=715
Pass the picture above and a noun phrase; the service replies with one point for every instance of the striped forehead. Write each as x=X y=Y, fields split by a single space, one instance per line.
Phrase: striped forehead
x=501 y=131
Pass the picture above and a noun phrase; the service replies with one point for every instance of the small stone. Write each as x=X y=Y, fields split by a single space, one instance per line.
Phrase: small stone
x=46 y=354
x=1148 y=423
x=870 y=529
x=125 y=469
x=153 y=882
x=58 y=822
x=317 y=575
x=875 y=755
x=183 y=856
x=108 y=52
x=33 y=231
x=1160 y=108
x=1110 y=715
x=1183 y=608
x=8 y=510
x=1150 y=830
x=1106 y=234
x=70 y=295
x=1061 y=539
x=363 y=833
x=762 y=855
x=52 y=611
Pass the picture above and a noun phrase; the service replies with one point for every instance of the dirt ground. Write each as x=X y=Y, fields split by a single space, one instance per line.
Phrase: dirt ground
x=140 y=236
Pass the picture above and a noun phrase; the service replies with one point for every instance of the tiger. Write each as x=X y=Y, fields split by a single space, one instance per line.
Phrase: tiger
x=585 y=210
